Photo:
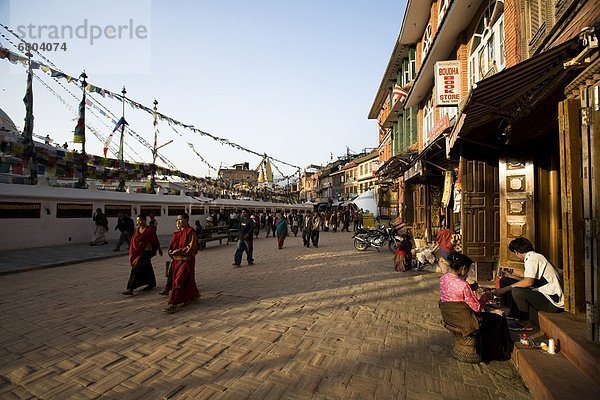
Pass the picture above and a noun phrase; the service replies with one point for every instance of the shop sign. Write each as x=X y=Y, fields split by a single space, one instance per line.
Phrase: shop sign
x=440 y=127
x=447 y=82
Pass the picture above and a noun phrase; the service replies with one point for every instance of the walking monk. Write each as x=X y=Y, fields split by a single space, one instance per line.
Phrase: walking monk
x=143 y=246
x=183 y=250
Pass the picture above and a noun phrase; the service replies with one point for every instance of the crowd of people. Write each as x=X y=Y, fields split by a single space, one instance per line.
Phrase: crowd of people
x=330 y=220
x=467 y=310
x=143 y=244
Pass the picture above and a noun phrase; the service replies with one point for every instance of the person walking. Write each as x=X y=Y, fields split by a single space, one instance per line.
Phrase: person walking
x=274 y=225
x=334 y=221
x=262 y=220
x=269 y=223
x=355 y=220
x=346 y=220
x=182 y=250
x=307 y=228
x=126 y=226
x=295 y=223
x=100 y=228
x=360 y=218
x=326 y=216
x=255 y=219
x=316 y=225
x=153 y=223
x=143 y=246
x=281 y=228
x=245 y=242
x=198 y=229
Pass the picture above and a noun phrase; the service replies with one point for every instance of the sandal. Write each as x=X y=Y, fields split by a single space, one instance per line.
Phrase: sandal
x=517 y=327
x=171 y=309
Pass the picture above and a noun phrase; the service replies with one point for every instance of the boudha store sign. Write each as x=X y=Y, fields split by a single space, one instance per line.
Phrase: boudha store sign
x=447 y=83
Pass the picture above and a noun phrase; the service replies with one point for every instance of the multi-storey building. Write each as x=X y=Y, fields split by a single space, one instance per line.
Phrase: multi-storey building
x=331 y=180
x=239 y=174
x=366 y=168
x=309 y=183
x=350 y=187
x=493 y=134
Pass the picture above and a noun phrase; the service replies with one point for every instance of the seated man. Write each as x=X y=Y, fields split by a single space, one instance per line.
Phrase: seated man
x=539 y=289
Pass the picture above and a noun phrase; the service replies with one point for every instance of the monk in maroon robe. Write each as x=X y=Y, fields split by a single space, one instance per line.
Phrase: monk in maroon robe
x=183 y=250
x=143 y=246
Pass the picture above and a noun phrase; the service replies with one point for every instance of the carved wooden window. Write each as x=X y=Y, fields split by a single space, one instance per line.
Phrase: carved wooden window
x=427 y=119
x=444 y=5
x=535 y=16
x=427 y=39
x=487 y=53
x=409 y=67
x=535 y=22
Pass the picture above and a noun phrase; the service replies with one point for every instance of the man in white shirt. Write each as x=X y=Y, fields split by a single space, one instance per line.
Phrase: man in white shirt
x=538 y=289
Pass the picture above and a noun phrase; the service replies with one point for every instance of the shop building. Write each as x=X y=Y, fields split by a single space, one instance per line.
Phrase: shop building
x=496 y=136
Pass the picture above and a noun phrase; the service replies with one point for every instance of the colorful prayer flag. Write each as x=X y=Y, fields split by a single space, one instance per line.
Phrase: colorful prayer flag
x=120 y=124
x=107 y=143
x=79 y=136
x=398 y=94
x=28 y=127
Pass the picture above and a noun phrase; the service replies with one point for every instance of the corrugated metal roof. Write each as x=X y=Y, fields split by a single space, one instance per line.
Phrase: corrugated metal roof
x=513 y=92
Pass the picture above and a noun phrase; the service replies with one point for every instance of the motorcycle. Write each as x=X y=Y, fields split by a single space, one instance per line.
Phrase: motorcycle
x=365 y=238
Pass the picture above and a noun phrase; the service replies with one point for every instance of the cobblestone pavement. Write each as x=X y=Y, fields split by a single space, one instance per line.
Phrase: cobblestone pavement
x=317 y=323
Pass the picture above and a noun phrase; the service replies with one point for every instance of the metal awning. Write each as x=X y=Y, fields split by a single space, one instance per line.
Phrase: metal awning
x=391 y=169
x=514 y=92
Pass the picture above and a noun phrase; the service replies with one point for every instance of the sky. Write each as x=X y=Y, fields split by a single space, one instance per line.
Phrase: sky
x=293 y=79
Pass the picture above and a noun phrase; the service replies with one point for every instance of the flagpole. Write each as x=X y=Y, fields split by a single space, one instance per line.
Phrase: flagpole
x=154 y=149
x=156 y=146
x=28 y=127
x=123 y=92
x=82 y=184
x=83 y=77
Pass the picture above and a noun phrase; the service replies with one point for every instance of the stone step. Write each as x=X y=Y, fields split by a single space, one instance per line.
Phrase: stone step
x=552 y=376
x=569 y=329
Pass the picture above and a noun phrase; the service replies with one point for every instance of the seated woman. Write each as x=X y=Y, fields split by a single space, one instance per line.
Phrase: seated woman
x=403 y=257
x=480 y=336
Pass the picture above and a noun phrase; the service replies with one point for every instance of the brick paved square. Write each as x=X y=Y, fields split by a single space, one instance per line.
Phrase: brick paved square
x=326 y=323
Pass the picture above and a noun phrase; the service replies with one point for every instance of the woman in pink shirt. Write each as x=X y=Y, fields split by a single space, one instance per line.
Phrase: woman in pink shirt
x=492 y=330
x=454 y=287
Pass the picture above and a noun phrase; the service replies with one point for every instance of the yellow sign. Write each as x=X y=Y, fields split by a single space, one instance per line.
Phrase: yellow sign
x=368 y=221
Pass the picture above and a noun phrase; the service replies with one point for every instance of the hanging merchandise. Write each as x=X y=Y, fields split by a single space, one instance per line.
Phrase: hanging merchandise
x=457 y=200
x=447 y=189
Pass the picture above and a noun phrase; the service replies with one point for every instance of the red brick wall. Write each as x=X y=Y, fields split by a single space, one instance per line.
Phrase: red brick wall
x=512 y=32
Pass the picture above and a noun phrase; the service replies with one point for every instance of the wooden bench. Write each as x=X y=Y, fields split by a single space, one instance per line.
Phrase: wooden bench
x=213 y=233
x=233 y=235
